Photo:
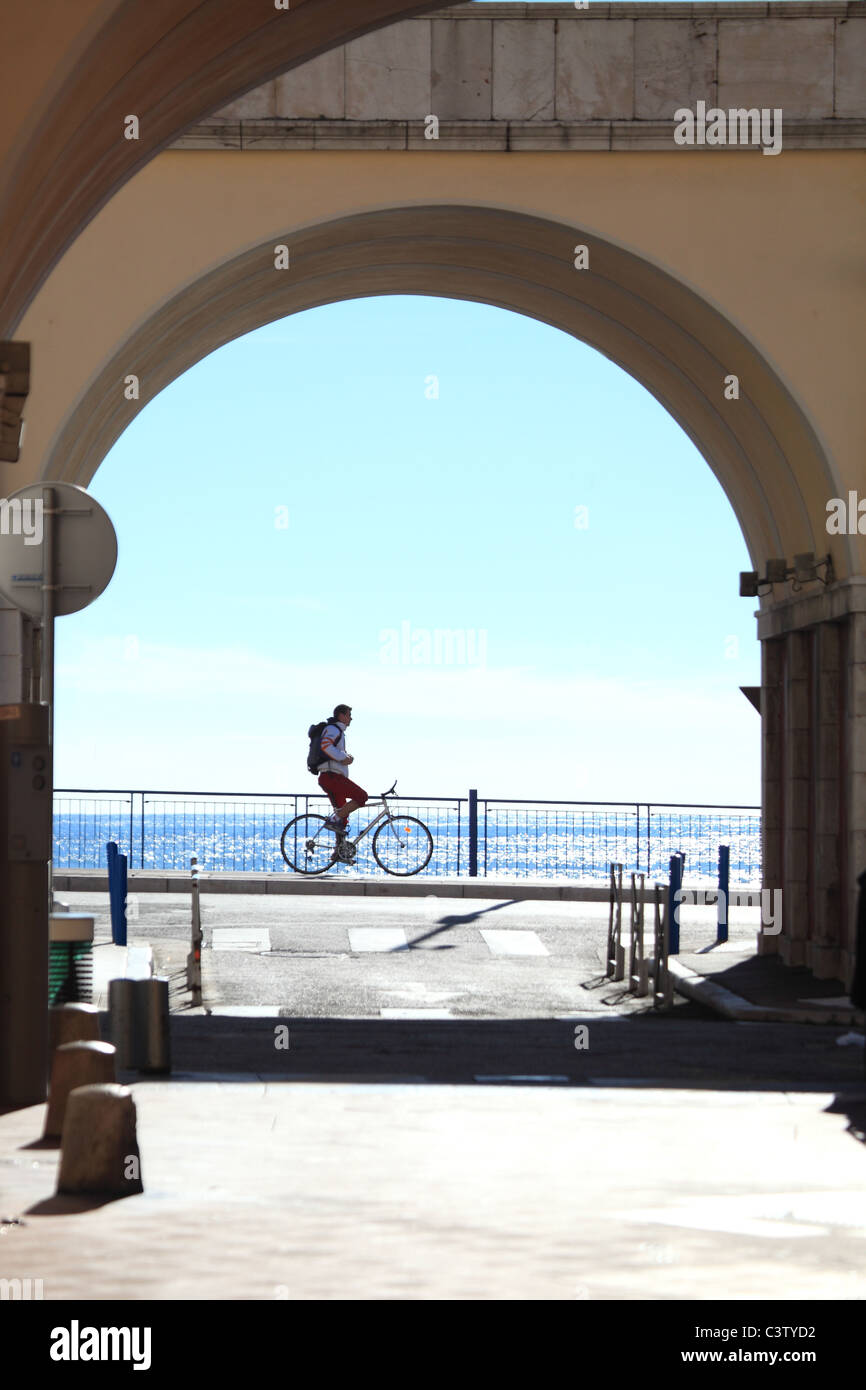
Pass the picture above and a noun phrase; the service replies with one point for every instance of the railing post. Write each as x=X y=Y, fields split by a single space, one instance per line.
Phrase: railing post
x=724 y=885
x=473 y=832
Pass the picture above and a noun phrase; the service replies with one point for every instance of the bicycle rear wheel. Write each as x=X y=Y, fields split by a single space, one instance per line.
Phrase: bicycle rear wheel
x=307 y=845
x=402 y=846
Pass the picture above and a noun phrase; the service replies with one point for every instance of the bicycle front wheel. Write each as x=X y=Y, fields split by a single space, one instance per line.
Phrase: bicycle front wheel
x=402 y=845
x=307 y=845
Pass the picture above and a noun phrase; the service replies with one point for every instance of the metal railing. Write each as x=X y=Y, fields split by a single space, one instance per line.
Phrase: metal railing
x=579 y=839
x=472 y=835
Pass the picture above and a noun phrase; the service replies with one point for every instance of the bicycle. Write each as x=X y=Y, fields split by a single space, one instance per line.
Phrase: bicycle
x=309 y=846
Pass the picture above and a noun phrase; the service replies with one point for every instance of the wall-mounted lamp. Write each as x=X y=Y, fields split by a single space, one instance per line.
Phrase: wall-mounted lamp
x=804 y=570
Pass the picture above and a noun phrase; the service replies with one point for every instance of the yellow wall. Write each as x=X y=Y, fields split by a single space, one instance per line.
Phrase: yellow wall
x=775 y=245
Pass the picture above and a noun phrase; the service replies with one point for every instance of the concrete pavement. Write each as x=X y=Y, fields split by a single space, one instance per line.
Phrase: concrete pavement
x=543 y=1136
x=260 y=1189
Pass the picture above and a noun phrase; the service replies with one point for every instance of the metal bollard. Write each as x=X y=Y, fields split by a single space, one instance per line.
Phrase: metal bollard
x=152 y=1005
x=121 y=1021
x=139 y=1022
x=193 y=960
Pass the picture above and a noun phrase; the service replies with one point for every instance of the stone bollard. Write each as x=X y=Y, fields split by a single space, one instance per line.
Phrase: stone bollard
x=75 y=1064
x=99 y=1152
x=72 y=1023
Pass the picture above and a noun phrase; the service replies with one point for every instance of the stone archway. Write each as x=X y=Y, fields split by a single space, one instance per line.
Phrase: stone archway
x=765 y=454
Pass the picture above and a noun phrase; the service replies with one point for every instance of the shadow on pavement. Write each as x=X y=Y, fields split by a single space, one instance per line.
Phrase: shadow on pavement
x=646 y=1050
x=456 y=919
x=73 y=1206
x=854 y=1106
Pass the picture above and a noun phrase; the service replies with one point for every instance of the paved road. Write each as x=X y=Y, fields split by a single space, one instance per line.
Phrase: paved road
x=442 y=1002
x=354 y=957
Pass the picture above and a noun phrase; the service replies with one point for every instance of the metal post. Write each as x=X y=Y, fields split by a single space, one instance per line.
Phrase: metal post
x=724 y=884
x=122 y=1022
x=193 y=960
x=676 y=883
x=112 y=857
x=120 y=871
x=151 y=1006
x=663 y=985
x=615 y=968
x=638 y=966
x=473 y=832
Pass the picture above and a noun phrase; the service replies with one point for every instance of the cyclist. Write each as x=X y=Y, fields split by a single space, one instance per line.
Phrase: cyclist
x=344 y=795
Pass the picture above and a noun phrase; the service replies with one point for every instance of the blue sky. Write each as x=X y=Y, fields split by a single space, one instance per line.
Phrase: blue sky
x=593 y=660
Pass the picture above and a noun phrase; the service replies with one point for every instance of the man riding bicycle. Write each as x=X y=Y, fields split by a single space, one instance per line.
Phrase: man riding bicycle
x=344 y=795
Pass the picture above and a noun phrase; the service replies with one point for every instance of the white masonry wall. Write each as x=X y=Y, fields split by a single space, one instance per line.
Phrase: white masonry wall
x=555 y=66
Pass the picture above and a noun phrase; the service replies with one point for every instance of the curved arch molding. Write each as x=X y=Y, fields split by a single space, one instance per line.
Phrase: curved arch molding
x=81 y=67
x=664 y=334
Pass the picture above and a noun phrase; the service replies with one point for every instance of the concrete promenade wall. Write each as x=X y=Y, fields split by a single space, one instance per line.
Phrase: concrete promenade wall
x=94 y=881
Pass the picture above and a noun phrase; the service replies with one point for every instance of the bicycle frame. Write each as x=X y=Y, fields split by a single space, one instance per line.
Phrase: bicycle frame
x=384 y=814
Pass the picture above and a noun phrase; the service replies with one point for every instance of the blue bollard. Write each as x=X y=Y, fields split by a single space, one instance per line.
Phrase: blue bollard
x=117 y=893
x=676 y=882
x=724 y=884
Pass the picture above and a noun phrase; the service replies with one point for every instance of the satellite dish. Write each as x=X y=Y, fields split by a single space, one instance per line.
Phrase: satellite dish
x=84 y=544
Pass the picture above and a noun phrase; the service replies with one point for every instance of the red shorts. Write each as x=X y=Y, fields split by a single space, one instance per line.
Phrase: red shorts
x=340 y=789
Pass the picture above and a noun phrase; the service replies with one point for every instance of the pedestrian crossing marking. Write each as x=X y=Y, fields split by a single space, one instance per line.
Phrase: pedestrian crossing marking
x=415 y=1013
x=514 y=943
x=240 y=939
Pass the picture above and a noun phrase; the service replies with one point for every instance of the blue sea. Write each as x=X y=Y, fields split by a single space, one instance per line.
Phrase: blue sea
x=515 y=840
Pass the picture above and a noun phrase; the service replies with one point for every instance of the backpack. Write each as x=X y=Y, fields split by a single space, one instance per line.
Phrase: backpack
x=316 y=758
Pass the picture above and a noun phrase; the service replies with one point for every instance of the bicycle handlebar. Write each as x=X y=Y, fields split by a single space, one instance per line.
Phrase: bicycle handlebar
x=390 y=791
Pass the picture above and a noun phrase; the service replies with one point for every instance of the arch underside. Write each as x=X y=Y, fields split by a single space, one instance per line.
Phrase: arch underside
x=670 y=339
x=170 y=62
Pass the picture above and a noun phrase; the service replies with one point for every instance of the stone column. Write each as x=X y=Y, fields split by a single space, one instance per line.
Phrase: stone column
x=772 y=778
x=854 y=828
x=828 y=903
x=814 y=772
x=796 y=771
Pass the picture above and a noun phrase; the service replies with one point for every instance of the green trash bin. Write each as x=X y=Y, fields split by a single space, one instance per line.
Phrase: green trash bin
x=70 y=959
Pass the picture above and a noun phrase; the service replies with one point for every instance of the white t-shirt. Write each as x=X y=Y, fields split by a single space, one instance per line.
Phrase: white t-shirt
x=334 y=741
